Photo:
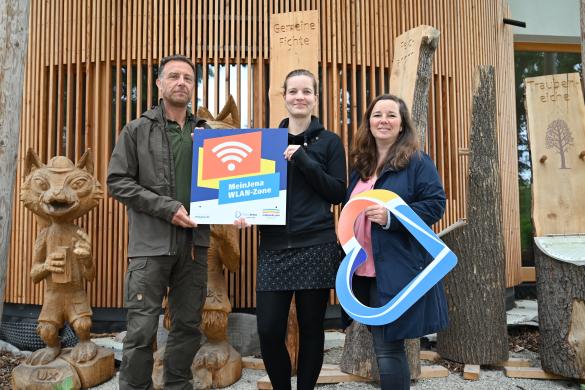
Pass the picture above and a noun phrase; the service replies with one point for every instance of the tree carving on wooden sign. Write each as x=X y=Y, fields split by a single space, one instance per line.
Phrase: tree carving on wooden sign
x=559 y=138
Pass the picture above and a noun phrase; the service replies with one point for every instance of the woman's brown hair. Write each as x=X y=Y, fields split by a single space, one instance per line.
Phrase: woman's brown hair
x=364 y=153
x=301 y=72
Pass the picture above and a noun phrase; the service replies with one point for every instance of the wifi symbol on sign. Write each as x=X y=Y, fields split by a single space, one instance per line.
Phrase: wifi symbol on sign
x=231 y=152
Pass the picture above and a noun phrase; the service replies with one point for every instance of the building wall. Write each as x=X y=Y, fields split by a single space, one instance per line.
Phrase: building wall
x=85 y=57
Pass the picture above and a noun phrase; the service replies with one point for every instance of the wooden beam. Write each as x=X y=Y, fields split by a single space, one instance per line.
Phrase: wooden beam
x=252 y=363
x=515 y=362
x=471 y=372
x=530 y=373
x=429 y=355
x=433 y=371
x=528 y=274
x=549 y=47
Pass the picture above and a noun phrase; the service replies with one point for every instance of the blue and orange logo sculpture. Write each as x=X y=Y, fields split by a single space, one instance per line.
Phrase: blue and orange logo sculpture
x=443 y=258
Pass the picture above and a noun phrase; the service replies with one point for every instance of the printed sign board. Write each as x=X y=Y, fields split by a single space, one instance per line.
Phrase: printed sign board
x=239 y=173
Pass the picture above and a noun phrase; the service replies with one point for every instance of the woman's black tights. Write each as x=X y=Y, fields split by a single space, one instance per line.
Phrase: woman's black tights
x=272 y=309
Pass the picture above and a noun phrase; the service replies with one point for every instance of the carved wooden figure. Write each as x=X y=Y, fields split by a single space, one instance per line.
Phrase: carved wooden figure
x=60 y=192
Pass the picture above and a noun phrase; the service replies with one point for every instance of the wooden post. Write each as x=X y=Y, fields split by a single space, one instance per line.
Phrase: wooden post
x=13 y=38
x=475 y=289
x=410 y=79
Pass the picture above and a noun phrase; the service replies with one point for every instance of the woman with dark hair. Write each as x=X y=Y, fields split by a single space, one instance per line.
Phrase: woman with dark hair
x=300 y=258
x=386 y=155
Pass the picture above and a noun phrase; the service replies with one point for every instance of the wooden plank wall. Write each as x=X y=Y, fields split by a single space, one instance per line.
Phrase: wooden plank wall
x=91 y=67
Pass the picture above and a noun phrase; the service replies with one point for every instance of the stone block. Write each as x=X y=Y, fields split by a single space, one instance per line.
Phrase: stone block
x=243 y=333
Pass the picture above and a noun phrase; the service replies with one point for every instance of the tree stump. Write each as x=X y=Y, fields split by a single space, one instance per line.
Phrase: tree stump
x=475 y=289
x=359 y=358
x=359 y=343
x=560 y=286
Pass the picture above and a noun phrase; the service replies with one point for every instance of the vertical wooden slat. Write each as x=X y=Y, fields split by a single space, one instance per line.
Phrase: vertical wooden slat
x=138 y=19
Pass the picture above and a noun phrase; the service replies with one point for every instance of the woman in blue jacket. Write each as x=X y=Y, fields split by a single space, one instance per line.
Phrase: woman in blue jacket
x=386 y=155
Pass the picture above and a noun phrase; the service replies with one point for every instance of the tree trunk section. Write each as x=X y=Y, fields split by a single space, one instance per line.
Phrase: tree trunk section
x=561 y=315
x=13 y=38
x=358 y=356
x=477 y=332
x=424 y=76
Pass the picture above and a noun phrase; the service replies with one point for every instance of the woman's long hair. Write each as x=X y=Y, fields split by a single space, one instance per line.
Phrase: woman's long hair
x=364 y=153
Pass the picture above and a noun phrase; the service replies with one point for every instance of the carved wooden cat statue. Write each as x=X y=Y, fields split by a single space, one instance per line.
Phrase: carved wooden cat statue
x=58 y=193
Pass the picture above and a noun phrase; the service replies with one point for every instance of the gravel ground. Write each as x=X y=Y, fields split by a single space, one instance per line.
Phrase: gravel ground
x=523 y=344
x=490 y=379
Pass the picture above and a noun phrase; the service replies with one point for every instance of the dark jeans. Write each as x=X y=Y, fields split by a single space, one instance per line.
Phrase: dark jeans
x=391 y=355
x=272 y=309
x=144 y=288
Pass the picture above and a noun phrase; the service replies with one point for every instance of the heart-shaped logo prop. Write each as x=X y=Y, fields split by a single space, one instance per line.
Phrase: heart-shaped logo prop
x=443 y=258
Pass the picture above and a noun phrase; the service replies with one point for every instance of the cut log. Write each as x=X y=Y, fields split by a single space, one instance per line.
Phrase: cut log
x=358 y=356
x=475 y=289
x=413 y=356
x=560 y=288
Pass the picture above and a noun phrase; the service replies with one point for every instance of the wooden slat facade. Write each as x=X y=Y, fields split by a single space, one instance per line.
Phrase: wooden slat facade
x=91 y=67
